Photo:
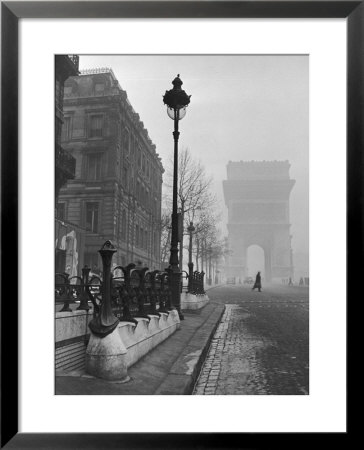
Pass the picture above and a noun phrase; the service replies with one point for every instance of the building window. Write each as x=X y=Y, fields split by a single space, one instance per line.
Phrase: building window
x=99 y=88
x=61 y=211
x=92 y=217
x=60 y=260
x=126 y=142
x=96 y=125
x=94 y=167
x=66 y=129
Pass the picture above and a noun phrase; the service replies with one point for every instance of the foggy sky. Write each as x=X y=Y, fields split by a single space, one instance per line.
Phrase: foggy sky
x=243 y=107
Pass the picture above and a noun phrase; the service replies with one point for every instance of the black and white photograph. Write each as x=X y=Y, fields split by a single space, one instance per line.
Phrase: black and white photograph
x=182 y=224
x=181 y=204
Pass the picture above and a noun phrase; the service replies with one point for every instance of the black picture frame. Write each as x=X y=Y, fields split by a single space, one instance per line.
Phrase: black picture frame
x=11 y=12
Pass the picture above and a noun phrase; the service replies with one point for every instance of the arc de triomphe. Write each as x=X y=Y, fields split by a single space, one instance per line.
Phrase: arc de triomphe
x=257 y=197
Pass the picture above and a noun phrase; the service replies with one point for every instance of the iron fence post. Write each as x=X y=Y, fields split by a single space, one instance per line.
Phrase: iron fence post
x=190 y=277
x=66 y=294
x=105 y=322
x=127 y=293
x=84 y=306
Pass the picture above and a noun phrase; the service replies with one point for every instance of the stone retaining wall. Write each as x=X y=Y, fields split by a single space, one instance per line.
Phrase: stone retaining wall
x=193 y=302
x=142 y=338
x=72 y=336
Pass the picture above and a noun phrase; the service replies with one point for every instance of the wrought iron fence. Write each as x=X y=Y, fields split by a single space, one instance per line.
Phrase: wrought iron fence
x=194 y=283
x=76 y=290
x=134 y=291
x=196 y=286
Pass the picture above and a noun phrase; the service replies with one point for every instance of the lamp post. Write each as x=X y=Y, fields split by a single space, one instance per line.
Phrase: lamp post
x=190 y=229
x=176 y=100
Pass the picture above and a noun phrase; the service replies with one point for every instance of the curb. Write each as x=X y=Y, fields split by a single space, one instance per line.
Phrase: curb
x=179 y=381
x=201 y=359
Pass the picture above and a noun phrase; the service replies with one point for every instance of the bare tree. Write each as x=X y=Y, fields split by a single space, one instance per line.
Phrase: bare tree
x=165 y=237
x=194 y=190
x=206 y=234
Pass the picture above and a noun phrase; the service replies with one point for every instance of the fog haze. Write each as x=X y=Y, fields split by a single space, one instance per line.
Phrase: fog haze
x=243 y=107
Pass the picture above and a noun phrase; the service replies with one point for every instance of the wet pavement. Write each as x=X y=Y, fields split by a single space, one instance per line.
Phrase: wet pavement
x=261 y=345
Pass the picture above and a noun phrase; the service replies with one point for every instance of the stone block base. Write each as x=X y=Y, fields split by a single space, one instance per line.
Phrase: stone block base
x=110 y=357
x=142 y=338
x=105 y=357
x=192 y=302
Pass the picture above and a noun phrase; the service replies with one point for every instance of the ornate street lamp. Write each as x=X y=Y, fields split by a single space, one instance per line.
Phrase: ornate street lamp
x=176 y=100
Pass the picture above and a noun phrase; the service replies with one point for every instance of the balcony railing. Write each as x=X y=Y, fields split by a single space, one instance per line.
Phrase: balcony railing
x=65 y=162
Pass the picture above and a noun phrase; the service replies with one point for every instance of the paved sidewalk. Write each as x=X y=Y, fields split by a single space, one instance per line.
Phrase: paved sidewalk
x=170 y=369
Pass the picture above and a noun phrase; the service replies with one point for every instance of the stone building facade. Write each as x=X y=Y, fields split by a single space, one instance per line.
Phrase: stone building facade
x=116 y=192
x=65 y=66
x=69 y=238
x=257 y=196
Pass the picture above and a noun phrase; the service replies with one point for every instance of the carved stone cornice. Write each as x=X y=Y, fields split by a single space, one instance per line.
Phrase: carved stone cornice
x=257 y=189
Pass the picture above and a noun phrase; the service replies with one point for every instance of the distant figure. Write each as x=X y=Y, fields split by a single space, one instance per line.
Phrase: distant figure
x=258 y=282
x=290 y=282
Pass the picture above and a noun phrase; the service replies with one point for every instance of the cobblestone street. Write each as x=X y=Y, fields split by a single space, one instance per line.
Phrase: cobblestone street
x=261 y=344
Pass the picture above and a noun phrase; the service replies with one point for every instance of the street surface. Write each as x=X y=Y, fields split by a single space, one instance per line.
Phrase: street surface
x=261 y=344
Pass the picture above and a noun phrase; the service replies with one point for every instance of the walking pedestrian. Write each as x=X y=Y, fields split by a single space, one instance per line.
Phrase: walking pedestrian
x=258 y=282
